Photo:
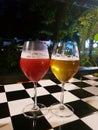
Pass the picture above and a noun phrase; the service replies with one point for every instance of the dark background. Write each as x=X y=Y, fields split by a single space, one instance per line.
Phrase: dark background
x=14 y=17
x=36 y=19
x=25 y=18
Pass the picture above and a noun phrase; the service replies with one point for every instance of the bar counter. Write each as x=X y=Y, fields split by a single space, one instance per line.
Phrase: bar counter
x=82 y=96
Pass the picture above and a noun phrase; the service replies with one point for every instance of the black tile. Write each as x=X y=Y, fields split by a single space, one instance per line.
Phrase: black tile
x=4 y=111
x=47 y=100
x=29 y=85
x=84 y=78
x=53 y=88
x=81 y=108
x=96 y=86
x=2 y=89
x=22 y=123
x=17 y=95
x=95 y=79
x=55 y=80
x=75 y=125
x=81 y=84
x=81 y=93
x=80 y=77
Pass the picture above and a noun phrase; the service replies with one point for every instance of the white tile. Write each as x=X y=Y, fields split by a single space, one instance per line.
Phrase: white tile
x=69 y=86
x=93 y=101
x=46 y=82
x=90 y=77
x=40 y=91
x=92 y=121
x=57 y=121
x=91 y=82
x=13 y=87
x=5 y=120
x=3 y=97
x=74 y=80
x=30 y=91
x=92 y=89
x=16 y=107
x=68 y=97
x=6 y=124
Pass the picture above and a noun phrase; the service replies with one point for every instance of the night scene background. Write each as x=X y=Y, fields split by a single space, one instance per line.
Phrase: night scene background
x=50 y=20
x=17 y=18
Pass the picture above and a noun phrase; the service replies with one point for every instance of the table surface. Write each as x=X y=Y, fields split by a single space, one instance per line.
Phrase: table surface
x=82 y=96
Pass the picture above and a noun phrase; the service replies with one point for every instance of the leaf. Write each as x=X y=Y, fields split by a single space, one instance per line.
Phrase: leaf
x=96 y=37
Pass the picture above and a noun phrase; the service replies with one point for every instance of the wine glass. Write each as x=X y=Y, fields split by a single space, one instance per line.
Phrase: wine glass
x=64 y=65
x=34 y=63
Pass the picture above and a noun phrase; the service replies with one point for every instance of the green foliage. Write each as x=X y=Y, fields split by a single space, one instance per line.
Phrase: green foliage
x=95 y=74
x=70 y=22
x=53 y=16
x=11 y=57
x=86 y=24
x=87 y=61
x=96 y=37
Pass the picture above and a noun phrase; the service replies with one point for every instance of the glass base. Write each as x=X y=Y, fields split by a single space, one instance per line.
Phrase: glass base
x=62 y=110
x=32 y=113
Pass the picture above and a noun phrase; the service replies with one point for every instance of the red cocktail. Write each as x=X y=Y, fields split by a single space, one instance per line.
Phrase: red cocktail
x=34 y=63
x=34 y=69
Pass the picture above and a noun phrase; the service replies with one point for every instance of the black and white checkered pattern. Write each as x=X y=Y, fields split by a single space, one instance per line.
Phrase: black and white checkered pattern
x=82 y=96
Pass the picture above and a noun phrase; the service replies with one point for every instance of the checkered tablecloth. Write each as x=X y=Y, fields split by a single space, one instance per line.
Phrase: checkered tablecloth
x=82 y=96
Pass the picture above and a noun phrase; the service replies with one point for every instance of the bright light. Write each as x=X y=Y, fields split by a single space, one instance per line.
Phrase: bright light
x=49 y=43
x=87 y=43
x=95 y=45
x=59 y=44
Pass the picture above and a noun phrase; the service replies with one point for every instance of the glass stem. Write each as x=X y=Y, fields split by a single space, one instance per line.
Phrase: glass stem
x=62 y=97
x=35 y=96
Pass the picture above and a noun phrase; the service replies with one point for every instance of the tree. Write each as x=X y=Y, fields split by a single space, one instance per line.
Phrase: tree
x=87 y=26
x=54 y=14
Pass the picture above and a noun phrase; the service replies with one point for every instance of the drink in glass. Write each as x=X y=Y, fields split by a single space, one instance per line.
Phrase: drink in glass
x=64 y=65
x=34 y=63
x=64 y=69
x=34 y=69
